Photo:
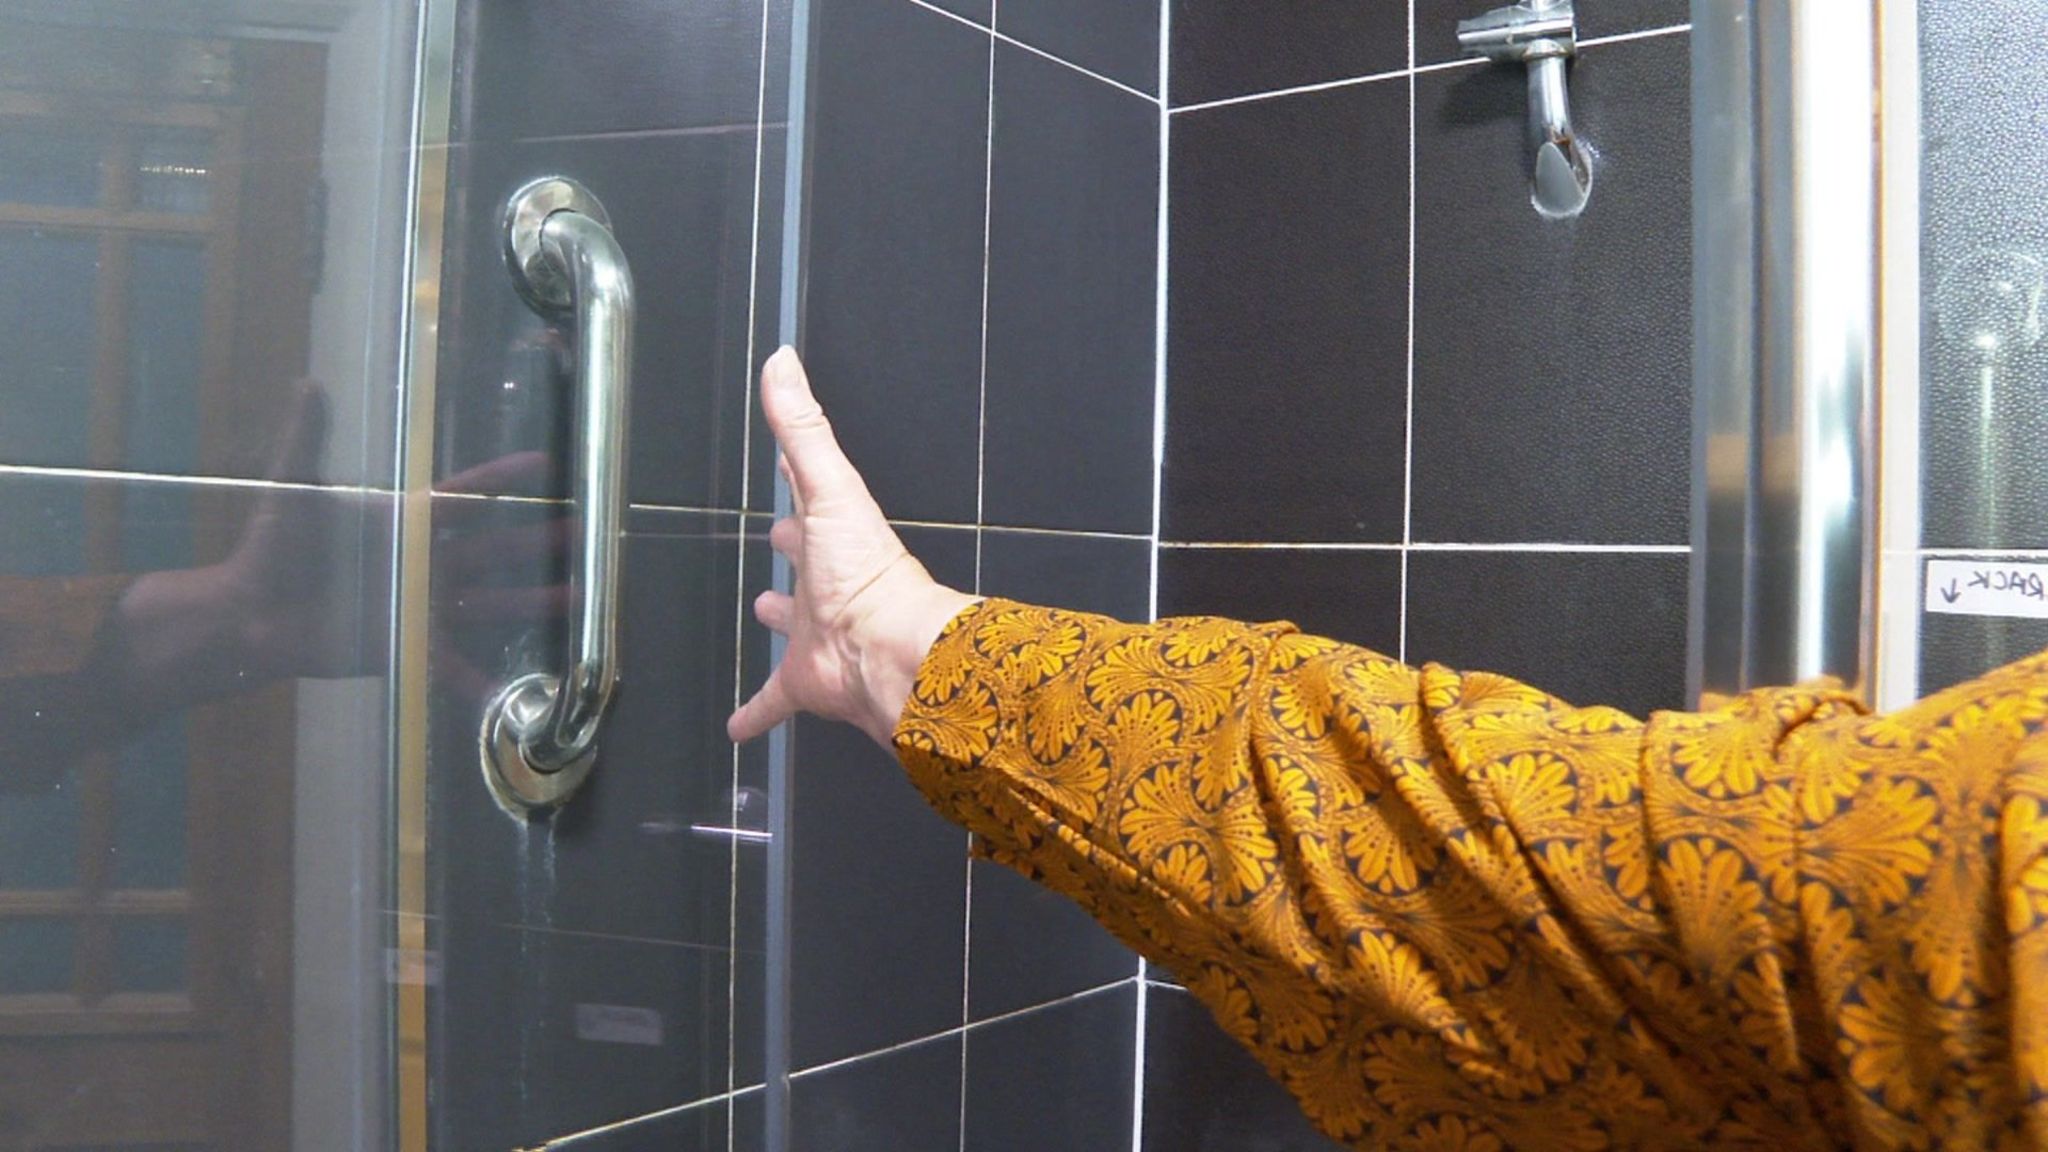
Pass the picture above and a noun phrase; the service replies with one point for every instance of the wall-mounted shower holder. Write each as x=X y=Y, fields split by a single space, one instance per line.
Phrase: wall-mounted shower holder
x=1542 y=35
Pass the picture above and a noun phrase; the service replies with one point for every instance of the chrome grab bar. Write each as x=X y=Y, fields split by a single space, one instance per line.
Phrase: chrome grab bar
x=540 y=734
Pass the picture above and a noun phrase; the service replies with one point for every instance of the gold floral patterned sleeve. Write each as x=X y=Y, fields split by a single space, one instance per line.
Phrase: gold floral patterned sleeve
x=1448 y=911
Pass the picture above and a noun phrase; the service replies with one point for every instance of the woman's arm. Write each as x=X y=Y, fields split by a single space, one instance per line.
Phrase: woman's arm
x=1447 y=907
x=1419 y=895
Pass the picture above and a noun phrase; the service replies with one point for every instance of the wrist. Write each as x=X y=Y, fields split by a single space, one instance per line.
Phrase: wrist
x=891 y=642
x=180 y=631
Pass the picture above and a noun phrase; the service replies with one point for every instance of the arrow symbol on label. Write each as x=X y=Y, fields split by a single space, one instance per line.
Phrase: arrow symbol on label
x=1952 y=593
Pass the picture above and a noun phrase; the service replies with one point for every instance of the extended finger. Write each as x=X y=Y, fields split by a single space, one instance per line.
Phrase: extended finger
x=776 y=610
x=787 y=538
x=769 y=707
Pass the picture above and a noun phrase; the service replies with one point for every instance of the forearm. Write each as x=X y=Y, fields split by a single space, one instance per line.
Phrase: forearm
x=1327 y=845
x=1108 y=760
x=176 y=638
x=1717 y=915
x=52 y=701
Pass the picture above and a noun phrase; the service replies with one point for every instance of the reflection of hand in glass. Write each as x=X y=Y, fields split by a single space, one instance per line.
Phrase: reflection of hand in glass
x=304 y=592
x=300 y=594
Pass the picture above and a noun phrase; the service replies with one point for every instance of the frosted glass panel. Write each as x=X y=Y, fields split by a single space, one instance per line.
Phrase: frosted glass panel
x=1984 y=280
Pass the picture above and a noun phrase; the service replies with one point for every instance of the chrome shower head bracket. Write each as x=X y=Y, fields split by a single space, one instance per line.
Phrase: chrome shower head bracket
x=1542 y=35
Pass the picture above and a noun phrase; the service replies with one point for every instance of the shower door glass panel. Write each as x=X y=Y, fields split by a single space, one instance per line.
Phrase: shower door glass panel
x=595 y=977
x=200 y=265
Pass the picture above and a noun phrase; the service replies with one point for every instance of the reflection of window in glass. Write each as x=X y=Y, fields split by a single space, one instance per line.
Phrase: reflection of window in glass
x=49 y=283
x=149 y=809
x=36 y=956
x=173 y=173
x=157 y=289
x=39 y=167
x=149 y=955
x=166 y=355
x=116 y=232
x=39 y=835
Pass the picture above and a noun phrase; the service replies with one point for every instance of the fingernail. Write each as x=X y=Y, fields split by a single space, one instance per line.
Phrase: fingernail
x=781 y=366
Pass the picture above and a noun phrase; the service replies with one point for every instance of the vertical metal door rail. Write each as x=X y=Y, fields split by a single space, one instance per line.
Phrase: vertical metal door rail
x=1785 y=320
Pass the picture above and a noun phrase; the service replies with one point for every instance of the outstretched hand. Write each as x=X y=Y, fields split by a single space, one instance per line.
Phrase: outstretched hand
x=863 y=612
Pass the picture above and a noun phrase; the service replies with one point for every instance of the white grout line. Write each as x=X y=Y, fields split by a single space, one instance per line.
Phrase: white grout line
x=933 y=1038
x=726 y=1098
x=1428 y=546
x=1159 y=313
x=769 y=517
x=1300 y=89
x=630 y=134
x=988 y=194
x=1016 y=530
x=680 y=508
x=1413 y=69
x=739 y=646
x=1645 y=34
x=97 y=474
x=62 y=473
x=1447 y=65
x=1138 y=1065
x=1584 y=549
x=988 y=30
x=936 y=525
x=1161 y=272
x=1974 y=553
x=1408 y=365
x=613 y=937
x=1089 y=533
x=966 y=974
x=988 y=197
x=1117 y=84
x=508 y=498
x=1226 y=545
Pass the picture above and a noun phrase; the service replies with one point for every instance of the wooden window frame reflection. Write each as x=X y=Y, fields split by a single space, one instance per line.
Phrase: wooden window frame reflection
x=95 y=907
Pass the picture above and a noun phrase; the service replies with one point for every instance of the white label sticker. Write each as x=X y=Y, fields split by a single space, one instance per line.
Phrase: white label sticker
x=615 y=1024
x=1987 y=588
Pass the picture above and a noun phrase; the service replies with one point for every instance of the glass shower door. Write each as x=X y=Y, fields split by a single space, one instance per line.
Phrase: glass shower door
x=588 y=973
x=198 y=223
x=288 y=496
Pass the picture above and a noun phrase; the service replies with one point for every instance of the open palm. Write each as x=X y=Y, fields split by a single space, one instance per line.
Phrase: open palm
x=863 y=610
